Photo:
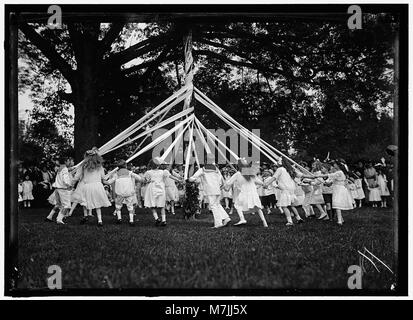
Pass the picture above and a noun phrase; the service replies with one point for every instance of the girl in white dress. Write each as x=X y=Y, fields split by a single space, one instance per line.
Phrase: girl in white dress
x=91 y=174
x=374 y=191
x=351 y=186
x=298 y=200
x=359 y=189
x=342 y=199
x=172 y=195
x=284 y=176
x=384 y=190
x=226 y=194
x=317 y=196
x=76 y=198
x=155 y=194
x=246 y=197
x=27 y=192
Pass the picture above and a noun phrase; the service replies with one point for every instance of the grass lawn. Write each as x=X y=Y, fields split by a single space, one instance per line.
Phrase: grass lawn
x=189 y=254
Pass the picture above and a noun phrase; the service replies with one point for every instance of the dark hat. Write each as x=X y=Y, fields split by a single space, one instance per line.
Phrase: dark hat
x=391 y=149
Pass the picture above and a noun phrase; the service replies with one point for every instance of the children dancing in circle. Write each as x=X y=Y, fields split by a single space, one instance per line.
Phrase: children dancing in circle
x=155 y=193
x=327 y=187
x=246 y=197
x=212 y=180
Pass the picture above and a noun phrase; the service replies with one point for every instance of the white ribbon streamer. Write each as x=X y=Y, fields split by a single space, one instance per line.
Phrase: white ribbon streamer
x=161 y=138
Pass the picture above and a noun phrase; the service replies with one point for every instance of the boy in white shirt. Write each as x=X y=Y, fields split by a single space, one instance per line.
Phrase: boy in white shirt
x=63 y=186
x=212 y=180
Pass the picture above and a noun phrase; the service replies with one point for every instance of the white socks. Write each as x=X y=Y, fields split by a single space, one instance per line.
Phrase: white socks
x=51 y=214
x=60 y=216
x=118 y=215
x=261 y=214
x=131 y=216
x=155 y=214
x=241 y=215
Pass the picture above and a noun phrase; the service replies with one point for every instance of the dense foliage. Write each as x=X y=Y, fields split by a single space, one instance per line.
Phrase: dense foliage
x=310 y=86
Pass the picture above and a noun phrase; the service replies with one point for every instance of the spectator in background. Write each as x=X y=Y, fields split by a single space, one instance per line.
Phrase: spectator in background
x=359 y=170
x=27 y=191
x=370 y=176
x=382 y=182
x=45 y=185
x=20 y=191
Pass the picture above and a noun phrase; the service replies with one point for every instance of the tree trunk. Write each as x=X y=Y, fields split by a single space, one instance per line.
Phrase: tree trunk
x=85 y=92
x=86 y=120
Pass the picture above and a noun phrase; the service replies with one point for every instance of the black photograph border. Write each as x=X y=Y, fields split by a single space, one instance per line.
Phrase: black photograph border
x=185 y=12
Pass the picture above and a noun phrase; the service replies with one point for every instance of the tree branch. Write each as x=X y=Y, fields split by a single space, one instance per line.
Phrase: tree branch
x=238 y=53
x=143 y=65
x=254 y=66
x=251 y=65
x=111 y=36
x=48 y=50
x=137 y=49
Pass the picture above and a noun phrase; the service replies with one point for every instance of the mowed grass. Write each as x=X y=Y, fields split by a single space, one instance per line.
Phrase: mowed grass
x=189 y=254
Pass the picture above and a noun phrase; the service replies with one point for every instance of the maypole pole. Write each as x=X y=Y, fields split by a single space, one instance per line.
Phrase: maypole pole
x=189 y=66
x=189 y=77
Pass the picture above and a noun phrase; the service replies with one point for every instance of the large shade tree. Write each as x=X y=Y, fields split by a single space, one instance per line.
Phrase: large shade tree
x=298 y=65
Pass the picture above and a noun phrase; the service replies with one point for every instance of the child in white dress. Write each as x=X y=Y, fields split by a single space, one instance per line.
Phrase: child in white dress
x=27 y=192
x=246 y=199
x=298 y=200
x=374 y=192
x=226 y=194
x=155 y=194
x=359 y=190
x=342 y=199
x=351 y=186
x=172 y=195
x=384 y=190
x=76 y=198
x=92 y=174
x=317 y=196
x=284 y=176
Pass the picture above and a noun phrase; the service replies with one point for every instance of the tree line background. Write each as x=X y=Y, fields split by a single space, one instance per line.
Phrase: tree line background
x=311 y=87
